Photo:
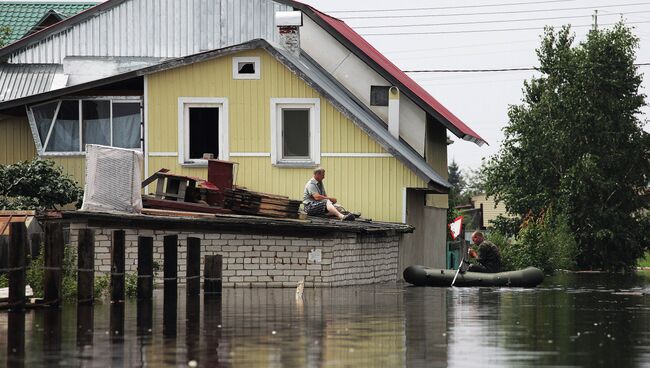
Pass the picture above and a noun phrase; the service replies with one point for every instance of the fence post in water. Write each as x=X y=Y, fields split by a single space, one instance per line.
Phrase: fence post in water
x=53 y=261
x=17 y=266
x=212 y=274
x=193 y=275
x=117 y=266
x=86 y=266
x=145 y=267
x=170 y=274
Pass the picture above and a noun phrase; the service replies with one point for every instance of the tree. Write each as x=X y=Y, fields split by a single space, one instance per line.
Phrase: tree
x=457 y=182
x=576 y=145
x=36 y=184
x=5 y=35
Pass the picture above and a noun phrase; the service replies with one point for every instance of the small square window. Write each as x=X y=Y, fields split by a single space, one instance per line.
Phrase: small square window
x=379 y=95
x=295 y=125
x=246 y=68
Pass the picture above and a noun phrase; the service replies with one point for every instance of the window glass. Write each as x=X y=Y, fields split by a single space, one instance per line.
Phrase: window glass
x=126 y=125
x=65 y=133
x=295 y=133
x=96 y=123
x=246 y=68
x=204 y=131
x=43 y=116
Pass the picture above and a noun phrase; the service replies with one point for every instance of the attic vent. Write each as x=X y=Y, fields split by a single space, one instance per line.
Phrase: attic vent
x=379 y=95
x=246 y=68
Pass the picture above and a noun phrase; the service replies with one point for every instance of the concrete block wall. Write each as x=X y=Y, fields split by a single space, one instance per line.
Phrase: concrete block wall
x=266 y=261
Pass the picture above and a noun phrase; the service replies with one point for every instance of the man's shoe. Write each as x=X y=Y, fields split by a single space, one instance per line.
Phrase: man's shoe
x=348 y=217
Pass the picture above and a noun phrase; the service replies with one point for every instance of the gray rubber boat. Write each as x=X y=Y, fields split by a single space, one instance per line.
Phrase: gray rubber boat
x=425 y=276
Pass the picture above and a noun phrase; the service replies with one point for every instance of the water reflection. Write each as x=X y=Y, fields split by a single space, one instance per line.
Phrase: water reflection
x=572 y=320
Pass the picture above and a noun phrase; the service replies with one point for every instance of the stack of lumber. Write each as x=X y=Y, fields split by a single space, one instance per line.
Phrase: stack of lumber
x=241 y=200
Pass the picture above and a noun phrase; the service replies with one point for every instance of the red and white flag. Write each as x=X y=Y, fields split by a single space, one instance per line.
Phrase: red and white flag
x=455 y=227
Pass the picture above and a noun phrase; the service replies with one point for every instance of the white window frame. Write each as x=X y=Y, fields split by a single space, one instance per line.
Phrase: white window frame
x=313 y=104
x=40 y=148
x=245 y=59
x=184 y=105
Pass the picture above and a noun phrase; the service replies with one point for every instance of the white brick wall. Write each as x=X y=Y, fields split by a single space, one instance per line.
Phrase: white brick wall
x=266 y=261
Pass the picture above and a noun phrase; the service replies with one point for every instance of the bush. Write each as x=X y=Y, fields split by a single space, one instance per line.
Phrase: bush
x=36 y=184
x=543 y=242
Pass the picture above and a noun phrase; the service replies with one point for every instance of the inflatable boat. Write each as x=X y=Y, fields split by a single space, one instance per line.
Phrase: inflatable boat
x=425 y=276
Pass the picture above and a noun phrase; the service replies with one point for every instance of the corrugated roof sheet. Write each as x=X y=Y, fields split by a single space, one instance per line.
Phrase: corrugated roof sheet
x=21 y=17
x=20 y=80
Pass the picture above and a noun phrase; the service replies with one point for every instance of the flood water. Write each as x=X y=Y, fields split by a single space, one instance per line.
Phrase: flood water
x=572 y=320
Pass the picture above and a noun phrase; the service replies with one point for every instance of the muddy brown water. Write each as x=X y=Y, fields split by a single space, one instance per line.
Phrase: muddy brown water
x=572 y=320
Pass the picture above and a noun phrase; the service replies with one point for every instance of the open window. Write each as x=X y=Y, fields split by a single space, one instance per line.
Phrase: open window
x=295 y=129
x=202 y=129
x=64 y=127
x=246 y=67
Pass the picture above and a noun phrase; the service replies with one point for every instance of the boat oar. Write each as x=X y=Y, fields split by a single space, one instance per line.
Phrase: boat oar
x=458 y=270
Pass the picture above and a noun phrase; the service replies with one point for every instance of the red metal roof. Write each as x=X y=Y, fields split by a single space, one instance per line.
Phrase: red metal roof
x=348 y=33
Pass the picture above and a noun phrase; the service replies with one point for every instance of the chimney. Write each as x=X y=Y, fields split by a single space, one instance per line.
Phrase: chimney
x=393 y=111
x=288 y=23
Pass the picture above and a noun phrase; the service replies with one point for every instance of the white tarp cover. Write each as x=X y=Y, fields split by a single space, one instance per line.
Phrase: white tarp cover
x=113 y=179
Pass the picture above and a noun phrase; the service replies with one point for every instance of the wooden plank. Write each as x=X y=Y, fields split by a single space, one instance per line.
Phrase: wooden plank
x=157 y=212
x=193 y=273
x=145 y=268
x=181 y=206
x=17 y=266
x=212 y=274
x=17 y=213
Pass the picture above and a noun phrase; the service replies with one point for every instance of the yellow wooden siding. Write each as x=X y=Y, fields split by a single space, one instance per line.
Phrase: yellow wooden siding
x=16 y=142
x=490 y=210
x=372 y=185
x=75 y=166
x=369 y=185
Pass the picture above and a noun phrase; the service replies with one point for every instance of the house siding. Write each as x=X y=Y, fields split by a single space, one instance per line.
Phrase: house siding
x=372 y=185
x=490 y=210
x=16 y=142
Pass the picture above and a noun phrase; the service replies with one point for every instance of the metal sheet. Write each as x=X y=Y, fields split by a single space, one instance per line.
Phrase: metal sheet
x=18 y=81
x=158 y=28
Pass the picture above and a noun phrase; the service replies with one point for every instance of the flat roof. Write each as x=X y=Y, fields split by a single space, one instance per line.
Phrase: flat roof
x=312 y=226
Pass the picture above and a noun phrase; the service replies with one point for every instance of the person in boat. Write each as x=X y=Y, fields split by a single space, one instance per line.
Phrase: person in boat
x=316 y=202
x=488 y=257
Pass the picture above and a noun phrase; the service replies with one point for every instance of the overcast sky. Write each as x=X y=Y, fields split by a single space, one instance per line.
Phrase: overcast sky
x=488 y=34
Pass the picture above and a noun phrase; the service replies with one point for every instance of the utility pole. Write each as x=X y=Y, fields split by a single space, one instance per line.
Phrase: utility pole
x=595 y=19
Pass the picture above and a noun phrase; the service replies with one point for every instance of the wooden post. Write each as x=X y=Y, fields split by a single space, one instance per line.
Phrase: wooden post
x=212 y=274
x=17 y=266
x=193 y=275
x=35 y=245
x=86 y=266
x=53 y=261
x=85 y=325
x=117 y=266
x=4 y=252
x=170 y=279
x=145 y=267
x=144 y=317
x=16 y=339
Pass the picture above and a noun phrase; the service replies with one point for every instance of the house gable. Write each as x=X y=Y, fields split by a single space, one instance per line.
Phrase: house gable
x=361 y=173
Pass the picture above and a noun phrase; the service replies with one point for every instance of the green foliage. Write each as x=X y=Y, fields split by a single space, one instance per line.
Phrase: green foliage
x=102 y=284
x=36 y=184
x=645 y=262
x=131 y=285
x=544 y=242
x=576 y=144
x=5 y=35
x=34 y=274
x=4 y=281
x=508 y=226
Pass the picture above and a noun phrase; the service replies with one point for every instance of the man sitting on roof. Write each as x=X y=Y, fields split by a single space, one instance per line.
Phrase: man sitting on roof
x=317 y=203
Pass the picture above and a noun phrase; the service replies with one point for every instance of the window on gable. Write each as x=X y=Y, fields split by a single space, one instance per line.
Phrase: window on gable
x=203 y=129
x=295 y=125
x=66 y=126
x=379 y=95
x=246 y=67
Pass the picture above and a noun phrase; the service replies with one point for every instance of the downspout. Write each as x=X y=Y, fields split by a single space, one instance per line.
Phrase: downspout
x=393 y=111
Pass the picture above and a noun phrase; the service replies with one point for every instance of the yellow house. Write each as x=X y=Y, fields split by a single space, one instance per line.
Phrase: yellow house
x=317 y=94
